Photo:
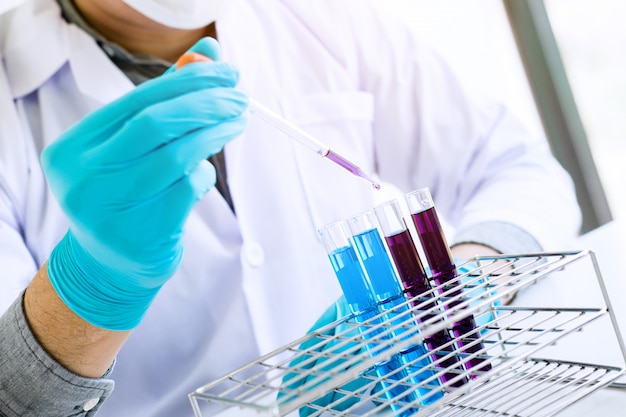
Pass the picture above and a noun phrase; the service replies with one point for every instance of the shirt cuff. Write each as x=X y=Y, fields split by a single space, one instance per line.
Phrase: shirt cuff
x=33 y=383
x=504 y=237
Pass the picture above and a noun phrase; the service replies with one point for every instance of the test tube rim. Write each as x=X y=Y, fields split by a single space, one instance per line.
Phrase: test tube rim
x=345 y=232
x=374 y=226
x=396 y=204
x=410 y=194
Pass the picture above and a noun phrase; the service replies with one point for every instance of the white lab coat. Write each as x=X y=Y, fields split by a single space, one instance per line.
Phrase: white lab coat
x=253 y=282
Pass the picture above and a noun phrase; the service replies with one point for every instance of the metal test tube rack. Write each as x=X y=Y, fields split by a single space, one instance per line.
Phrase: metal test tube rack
x=521 y=381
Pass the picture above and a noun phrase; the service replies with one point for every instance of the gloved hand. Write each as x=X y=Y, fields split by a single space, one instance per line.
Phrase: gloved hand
x=329 y=354
x=469 y=271
x=295 y=380
x=127 y=177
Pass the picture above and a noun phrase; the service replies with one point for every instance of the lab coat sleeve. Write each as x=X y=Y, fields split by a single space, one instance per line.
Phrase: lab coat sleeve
x=487 y=174
x=33 y=383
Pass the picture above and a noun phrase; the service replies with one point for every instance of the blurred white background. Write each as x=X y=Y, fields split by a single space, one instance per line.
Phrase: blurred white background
x=592 y=38
x=476 y=38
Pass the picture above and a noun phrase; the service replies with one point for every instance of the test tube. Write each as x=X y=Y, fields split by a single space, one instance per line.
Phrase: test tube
x=443 y=270
x=417 y=288
x=387 y=290
x=356 y=289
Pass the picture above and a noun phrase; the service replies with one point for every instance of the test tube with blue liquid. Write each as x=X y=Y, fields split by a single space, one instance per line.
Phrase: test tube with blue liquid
x=444 y=274
x=417 y=288
x=388 y=293
x=356 y=289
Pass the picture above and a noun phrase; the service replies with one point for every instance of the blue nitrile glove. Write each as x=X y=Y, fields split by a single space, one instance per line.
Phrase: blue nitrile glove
x=295 y=380
x=127 y=177
x=469 y=272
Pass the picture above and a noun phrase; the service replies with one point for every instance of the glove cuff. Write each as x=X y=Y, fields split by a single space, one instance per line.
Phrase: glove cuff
x=470 y=270
x=88 y=288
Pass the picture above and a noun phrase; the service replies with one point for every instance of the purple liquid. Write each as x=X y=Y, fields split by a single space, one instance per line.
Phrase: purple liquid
x=407 y=262
x=465 y=333
x=415 y=282
x=344 y=163
x=444 y=270
x=434 y=242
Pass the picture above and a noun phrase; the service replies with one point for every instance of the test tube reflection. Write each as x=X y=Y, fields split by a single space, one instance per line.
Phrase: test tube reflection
x=387 y=290
x=443 y=270
x=356 y=289
x=417 y=287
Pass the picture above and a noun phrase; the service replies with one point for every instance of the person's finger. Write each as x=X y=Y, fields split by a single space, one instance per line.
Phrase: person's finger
x=207 y=48
x=158 y=125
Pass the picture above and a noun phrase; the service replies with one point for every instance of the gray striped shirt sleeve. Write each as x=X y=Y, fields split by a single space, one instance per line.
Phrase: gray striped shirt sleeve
x=32 y=383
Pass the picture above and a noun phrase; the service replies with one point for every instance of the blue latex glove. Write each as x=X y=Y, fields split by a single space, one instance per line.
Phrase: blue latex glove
x=469 y=269
x=369 y=383
x=127 y=177
x=294 y=380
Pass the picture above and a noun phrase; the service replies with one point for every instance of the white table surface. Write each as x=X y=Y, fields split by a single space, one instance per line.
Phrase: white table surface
x=609 y=245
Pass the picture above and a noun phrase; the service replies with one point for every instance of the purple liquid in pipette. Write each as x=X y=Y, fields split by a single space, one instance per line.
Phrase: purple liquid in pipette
x=444 y=270
x=344 y=163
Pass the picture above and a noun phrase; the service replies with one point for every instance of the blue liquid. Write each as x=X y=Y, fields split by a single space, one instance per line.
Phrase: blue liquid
x=352 y=280
x=388 y=293
x=382 y=277
x=355 y=287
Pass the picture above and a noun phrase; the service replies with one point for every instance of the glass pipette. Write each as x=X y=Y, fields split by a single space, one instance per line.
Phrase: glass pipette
x=287 y=127
x=305 y=139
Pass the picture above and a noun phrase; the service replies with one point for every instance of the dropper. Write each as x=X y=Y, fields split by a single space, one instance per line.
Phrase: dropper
x=305 y=139
x=292 y=131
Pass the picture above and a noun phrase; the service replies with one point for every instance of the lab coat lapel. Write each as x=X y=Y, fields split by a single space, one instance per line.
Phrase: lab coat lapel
x=95 y=74
x=47 y=42
x=9 y=4
x=57 y=43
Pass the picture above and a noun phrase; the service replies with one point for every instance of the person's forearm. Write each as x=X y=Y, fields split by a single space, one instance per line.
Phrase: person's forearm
x=470 y=250
x=79 y=346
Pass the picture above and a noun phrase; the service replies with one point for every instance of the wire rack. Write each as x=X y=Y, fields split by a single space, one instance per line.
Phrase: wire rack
x=335 y=371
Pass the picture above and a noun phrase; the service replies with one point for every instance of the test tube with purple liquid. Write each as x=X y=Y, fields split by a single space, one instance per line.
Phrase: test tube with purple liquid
x=417 y=288
x=444 y=273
